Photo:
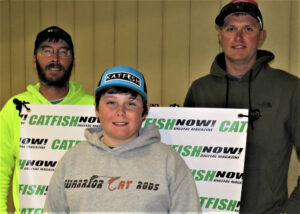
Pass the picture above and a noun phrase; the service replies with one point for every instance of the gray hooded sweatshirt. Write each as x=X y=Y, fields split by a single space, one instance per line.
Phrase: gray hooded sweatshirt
x=143 y=175
x=274 y=95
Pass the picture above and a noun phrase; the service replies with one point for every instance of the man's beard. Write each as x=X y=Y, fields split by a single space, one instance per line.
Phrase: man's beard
x=61 y=82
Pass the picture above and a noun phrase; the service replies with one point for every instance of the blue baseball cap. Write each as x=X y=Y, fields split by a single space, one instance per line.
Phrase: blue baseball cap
x=123 y=76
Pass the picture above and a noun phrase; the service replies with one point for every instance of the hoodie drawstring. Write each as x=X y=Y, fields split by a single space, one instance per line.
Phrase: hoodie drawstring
x=227 y=90
x=253 y=114
x=249 y=97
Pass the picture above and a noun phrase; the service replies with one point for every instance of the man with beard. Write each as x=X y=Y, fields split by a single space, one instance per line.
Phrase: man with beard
x=53 y=58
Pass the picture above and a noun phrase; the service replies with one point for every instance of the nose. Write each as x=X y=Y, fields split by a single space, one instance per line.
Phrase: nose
x=55 y=56
x=238 y=35
x=120 y=110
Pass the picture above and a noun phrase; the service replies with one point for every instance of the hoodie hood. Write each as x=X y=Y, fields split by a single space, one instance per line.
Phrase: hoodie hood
x=75 y=93
x=141 y=176
x=218 y=67
x=10 y=125
x=147 y=136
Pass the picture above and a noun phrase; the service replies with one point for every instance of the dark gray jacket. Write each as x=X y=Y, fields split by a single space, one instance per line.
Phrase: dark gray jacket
x=274 y=99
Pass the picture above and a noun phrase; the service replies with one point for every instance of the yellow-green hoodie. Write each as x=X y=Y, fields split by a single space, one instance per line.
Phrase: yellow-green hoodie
x=10 y=134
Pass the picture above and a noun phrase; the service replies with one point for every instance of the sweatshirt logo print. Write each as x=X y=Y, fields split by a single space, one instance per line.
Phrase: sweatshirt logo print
x=111 y=183
x=93 y=182
x=265 y=105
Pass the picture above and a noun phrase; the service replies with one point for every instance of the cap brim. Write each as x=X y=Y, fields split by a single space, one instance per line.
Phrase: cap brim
x=100 y=88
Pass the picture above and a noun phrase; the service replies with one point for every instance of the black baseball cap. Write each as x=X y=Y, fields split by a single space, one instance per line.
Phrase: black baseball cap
x=240 y=6
x=53 y=33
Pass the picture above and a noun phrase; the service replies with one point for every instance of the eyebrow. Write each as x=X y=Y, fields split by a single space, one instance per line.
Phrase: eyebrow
x=48 y=46
x=45 y=46
x=108 y=95
x=247 y=25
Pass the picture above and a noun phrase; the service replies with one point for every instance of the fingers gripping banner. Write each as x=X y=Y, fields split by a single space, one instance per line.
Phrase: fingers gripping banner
x=211 y=141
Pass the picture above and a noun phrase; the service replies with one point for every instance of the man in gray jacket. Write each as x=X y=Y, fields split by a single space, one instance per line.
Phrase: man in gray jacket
x=241 y=78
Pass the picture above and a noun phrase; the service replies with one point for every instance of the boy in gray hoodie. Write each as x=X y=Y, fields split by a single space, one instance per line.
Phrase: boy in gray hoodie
x=122 y=167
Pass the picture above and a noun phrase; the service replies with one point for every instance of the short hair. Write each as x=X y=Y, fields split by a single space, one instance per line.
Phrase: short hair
x=120 y=90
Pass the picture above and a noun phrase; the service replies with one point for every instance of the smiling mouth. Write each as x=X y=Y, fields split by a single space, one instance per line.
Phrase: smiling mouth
x=238 y=47
x=120 y=123
x=54 y=69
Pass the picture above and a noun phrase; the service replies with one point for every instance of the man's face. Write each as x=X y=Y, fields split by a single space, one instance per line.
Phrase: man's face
x=240 y=37
x=54 y=66
x=121 y=117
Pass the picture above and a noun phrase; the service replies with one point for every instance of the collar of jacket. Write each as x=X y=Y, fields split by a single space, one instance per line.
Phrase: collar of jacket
x=218 y=68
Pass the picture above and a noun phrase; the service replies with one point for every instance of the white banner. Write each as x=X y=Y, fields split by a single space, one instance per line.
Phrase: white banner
x=211 y=141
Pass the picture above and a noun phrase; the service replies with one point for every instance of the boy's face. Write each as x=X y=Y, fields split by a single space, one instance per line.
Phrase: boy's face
x=121 y=118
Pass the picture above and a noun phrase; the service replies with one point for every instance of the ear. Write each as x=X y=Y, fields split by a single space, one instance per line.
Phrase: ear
x=220 y=35
x=262 y=36
x=97 y=113
x=148 y=107
x=34 y=60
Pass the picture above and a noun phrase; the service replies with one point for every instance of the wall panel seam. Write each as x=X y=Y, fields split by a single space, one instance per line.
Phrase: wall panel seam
x=114 y=39
x=162 y=49
x=137 y=34
x=290 y=37
x=94 y=38
x=24 y=46
x=9 y=47
x=189 y=45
